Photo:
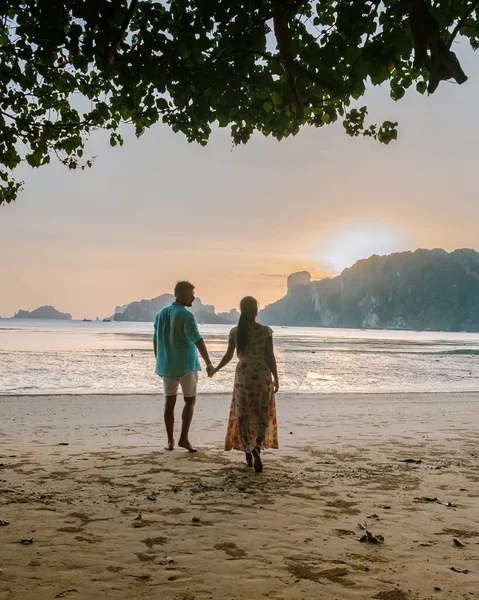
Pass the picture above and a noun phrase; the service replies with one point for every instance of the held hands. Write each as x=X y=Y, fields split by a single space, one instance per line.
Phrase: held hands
x=213 y=372
x=210 y=370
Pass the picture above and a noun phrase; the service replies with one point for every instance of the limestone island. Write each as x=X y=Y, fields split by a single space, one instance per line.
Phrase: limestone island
x=43 y=312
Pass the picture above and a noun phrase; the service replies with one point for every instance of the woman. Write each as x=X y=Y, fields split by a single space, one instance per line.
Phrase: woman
x=252 y=420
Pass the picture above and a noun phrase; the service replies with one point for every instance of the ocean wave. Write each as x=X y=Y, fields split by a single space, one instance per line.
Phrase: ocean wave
x=465 y=351
x=22 y=388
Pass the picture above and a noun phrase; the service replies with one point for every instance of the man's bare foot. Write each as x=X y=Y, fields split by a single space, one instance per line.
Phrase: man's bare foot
x=186 y=444
x=170 y=445
x=249 y=459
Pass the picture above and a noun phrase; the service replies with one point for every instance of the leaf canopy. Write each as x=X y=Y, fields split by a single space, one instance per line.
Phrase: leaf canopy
x=67 y=68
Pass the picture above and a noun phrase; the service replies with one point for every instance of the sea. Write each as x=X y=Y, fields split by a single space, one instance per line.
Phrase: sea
x=75 y=357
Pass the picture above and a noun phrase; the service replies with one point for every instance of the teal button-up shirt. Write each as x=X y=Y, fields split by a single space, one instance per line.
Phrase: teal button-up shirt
x=176 y=333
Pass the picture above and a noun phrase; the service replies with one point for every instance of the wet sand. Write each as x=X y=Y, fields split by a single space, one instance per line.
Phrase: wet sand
x=106 y=513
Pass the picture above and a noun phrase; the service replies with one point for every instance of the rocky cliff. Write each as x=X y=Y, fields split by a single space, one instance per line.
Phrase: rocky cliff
x=424 y=289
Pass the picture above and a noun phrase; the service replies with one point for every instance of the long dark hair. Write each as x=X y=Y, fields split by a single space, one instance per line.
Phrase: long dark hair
x=249 y=310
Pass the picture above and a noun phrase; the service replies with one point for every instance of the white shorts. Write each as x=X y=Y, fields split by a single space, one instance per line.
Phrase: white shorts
x=188 y=383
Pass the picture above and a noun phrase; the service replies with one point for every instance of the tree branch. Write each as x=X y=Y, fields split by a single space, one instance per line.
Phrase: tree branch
x=461 y=22
x=441 y=62
x=328 y=83
x=49 y=125
x=282 y=34
x=123 y=29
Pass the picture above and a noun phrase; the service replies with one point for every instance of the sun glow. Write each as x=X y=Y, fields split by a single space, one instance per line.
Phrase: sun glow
x=341 y=248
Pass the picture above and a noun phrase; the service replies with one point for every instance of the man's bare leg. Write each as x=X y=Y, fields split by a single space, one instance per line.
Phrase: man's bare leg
x=169 y=415
x=187 y=417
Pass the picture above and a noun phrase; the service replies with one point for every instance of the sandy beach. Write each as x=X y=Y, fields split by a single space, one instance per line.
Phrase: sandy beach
x=104 y=512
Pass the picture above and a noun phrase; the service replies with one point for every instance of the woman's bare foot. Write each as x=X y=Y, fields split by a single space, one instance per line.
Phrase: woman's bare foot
x=258 y=465
x=249 y=459
x=186 y=444
x=170 y=445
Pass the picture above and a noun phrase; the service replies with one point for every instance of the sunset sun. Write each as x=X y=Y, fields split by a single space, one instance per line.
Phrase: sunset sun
x=341 y=248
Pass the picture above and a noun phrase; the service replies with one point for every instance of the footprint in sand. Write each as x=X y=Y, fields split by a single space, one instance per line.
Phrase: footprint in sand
x=157 y=541
x=141 y=578
x=146 y=557
x=459 y=533
x=176 y=511
x=343 y=532
x=231 y=549
x=392 y=595
x=67 y=593
x=344 y=506
x=303 y=568
x=83 y=517
x=91 y=539
x=141 y=523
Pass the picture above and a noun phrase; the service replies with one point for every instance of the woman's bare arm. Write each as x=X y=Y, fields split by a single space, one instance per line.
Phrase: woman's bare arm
x=271 y=361
x=230 y=351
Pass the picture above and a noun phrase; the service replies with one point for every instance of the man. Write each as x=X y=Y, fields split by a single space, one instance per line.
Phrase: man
x=175 y=342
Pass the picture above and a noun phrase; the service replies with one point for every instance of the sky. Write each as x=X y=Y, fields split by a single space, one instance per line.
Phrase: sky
x=238 y=220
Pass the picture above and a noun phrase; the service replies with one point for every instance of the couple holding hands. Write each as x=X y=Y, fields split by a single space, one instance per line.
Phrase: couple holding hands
x=252 y=423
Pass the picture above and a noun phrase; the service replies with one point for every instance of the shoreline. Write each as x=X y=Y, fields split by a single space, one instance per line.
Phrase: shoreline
x=4 y=396
x=233 y=324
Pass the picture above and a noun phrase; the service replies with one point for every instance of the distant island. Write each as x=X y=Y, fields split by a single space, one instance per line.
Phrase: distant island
x=426 y=290
x=43 y=312
x=146 y=310
x=430 y=290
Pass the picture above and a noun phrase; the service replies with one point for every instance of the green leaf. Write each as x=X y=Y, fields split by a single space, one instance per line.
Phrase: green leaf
x=421 y=86
x=161 y=104
x=276 y=98
x=397 y=92
x=262 y=93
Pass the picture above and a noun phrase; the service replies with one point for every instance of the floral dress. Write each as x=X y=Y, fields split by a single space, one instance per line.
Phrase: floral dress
x=252 y=420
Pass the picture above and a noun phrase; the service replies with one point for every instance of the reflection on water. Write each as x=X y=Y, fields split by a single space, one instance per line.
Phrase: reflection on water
x=53 y=357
